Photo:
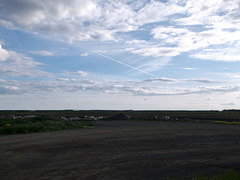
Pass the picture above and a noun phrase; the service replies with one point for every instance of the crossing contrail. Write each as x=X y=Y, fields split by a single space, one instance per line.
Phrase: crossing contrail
x=119 y=62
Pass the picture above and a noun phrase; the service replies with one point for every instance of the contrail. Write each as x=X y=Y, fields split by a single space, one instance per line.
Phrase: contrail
x=119 y=62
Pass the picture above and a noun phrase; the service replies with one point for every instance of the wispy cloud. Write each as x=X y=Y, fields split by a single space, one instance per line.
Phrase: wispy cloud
x=15 y=64
x=63 y=79
x=236 y=76
x=187 y=68
x=160 y=79
x=156 y=51
x=169 y=80
x=42 y=53
x=157 y=11
x=84 y=54
x=223 y=54
x=4 y=55
x=179 y=40
x=209 y=12
x=200 y=80
x=116 y=87
x=82 y=73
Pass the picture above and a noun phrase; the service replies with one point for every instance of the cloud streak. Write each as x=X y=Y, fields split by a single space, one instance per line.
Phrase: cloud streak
x=169 y=80
x=119 y=62
x=42 y=53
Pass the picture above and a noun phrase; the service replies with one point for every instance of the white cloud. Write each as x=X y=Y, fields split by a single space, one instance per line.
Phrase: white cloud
x=8 y=90
x=83 y=20
x=63 y=79
x=25 y=13
x=148 y=87
x=223 y=54
x=207 y=12
x=140 y=43
x=4 y=55
x=84 y=54
x=187 y=40
x=177 y=40
x=236 y=76
x=116 y=15
x=42 y=53
x=93 y=33
x=187 y=68
x=156 y=11
x=6 y=24
x=160 y=79
x=74 y=20
x=32 y=12
x=171 y=80
x=200 y=80
x=156 y=51
x=11 y=87
x=169 y=34
x=15 y=64
x=159 y=91
x=82 y=73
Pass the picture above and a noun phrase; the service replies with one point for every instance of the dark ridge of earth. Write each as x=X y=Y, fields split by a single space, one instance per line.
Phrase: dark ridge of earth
x=122 y=150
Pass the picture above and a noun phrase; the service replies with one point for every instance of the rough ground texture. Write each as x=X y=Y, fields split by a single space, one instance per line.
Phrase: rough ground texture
x=122 y=150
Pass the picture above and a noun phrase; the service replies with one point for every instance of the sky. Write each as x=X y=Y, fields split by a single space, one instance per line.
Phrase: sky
x=125 y=54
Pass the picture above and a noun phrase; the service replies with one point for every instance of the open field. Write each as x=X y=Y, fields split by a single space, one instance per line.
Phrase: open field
x=122 y=150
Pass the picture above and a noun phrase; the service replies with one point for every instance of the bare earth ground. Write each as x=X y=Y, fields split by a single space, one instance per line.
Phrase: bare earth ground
x=122 y=150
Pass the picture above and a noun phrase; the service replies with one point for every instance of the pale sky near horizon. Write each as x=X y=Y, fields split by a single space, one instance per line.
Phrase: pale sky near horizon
x=125 y=54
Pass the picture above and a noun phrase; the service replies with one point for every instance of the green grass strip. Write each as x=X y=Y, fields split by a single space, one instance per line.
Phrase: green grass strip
x=230 y=175
x=38 y=124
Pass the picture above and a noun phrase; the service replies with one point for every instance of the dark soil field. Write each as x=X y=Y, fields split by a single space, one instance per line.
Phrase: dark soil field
x=122 y=150
x=225 y=115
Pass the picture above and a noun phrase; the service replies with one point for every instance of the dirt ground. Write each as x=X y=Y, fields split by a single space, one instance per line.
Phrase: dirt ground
x=122 y=150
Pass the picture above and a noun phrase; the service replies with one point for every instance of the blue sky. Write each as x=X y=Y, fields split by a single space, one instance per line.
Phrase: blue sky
x=93 y=54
